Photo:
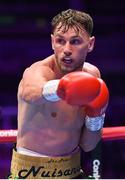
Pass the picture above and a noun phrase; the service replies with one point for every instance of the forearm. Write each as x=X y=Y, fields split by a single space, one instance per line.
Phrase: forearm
x=89 y=139
x=35 y=94
x=32 y=84
x=91 y=134
x=32 y=94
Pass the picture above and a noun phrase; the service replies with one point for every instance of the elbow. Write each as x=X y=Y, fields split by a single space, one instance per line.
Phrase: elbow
x=86 y=146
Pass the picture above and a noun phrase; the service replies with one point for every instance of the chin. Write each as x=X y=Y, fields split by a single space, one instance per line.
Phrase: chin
x=67 y=69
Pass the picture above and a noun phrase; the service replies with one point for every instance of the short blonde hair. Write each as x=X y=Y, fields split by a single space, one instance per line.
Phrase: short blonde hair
x=73 y=18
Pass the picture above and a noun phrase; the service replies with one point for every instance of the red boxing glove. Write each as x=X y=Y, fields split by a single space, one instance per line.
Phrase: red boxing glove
x=78 y=88
x=95 y=110
x=98 y=106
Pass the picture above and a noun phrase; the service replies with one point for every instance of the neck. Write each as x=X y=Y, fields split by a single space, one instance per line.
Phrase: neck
x=60 y=73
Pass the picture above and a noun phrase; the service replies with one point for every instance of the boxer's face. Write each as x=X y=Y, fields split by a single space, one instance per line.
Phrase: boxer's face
x=71 y=48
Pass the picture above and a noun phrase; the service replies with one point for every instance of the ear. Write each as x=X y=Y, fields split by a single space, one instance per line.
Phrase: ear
x=91 y=44
x=52 y=41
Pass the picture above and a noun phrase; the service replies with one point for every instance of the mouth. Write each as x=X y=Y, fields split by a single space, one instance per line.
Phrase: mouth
x=67 y=60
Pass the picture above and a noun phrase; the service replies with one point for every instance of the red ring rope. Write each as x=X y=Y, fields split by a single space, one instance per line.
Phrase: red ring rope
x=108 y=133
x=113 y=133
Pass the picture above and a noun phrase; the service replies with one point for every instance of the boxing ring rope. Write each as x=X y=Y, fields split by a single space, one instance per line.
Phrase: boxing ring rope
x=108 y=133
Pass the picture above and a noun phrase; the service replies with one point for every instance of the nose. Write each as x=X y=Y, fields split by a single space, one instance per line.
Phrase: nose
x=67 y=49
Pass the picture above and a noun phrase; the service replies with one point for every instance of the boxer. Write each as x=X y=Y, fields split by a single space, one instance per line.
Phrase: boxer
x=62 y=102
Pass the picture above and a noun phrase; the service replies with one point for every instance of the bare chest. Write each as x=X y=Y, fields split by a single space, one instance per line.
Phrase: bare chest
x=64 y=115
x=52 y=115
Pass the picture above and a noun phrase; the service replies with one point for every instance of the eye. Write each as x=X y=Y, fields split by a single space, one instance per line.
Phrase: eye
x=75 y=41
x=60 y=41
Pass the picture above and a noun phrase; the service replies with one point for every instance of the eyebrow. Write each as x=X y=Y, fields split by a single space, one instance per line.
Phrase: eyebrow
x=75 y=36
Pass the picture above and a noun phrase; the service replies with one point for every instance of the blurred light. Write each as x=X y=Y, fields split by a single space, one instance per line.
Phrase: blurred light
x=6 y=20
x=41 y=23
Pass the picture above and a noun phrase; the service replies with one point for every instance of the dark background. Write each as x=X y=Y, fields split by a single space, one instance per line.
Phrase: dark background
x=25 y=38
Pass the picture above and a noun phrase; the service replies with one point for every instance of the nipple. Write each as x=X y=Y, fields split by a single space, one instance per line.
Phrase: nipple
x=53 y=114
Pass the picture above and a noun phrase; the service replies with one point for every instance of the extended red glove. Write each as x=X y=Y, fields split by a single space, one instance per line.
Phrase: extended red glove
x=78 y=88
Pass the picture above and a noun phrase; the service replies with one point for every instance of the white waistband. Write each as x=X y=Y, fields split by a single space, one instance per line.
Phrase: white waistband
x=28 y=152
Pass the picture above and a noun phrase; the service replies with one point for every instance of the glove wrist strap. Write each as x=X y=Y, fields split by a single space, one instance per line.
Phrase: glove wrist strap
x=94 y=123
x=50 y=89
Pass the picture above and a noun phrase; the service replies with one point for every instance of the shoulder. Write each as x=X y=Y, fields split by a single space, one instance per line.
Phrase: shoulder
x=44 y=64
x=92 y=69
x=42 y=67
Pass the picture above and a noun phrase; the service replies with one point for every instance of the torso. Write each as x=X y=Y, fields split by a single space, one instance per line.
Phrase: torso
x=49 y=128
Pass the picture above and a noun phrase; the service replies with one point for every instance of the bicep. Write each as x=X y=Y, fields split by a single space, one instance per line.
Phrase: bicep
x=37 y=75
x=33 y=76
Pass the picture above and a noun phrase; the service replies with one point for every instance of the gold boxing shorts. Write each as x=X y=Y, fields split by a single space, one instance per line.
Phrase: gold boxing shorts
x=63 y=167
